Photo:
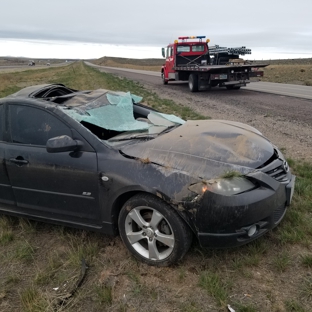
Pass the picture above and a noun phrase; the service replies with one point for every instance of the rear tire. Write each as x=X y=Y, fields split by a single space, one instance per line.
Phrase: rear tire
x=193 y=82
x=153 y=231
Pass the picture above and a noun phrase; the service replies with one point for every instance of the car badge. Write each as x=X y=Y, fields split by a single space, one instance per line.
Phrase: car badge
x=285 y=166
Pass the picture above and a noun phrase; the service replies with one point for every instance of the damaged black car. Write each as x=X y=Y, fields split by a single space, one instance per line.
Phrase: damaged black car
x=100 y=160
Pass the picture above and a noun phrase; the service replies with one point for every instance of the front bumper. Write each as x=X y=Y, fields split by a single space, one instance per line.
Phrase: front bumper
x=258 y=211
x=238 y=83
x=240 y=237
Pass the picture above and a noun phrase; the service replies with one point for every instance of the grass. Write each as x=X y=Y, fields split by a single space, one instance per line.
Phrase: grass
x=306 y=260
x=215 y=286
x=147 y=64
x=294 y=306
x=246 y=308
x=298 y=223
x=32 y=300
x=104 y=294
x=24 y=252
x=6 y=233
x=80 y=248
x=306 y=291
x=38 y=258
x=44 y=276
x=189 y=307
x=282 y=261
x=6 y=237
x=27 y=226
x=289 y=73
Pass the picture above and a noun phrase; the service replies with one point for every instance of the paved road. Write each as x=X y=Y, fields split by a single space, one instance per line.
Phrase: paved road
x=13 y=68
x=304 y=92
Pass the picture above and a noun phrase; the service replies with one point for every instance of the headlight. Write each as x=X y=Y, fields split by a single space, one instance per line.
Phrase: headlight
x=226 y=187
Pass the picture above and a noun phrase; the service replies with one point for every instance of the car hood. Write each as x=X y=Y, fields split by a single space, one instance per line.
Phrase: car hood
x=206 y=148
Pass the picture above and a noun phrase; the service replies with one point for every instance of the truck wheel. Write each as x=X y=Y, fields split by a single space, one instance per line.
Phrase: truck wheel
x=164 y=79
x=152 y=231
x=193 y=82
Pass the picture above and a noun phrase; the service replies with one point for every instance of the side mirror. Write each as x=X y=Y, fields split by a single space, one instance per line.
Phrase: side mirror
x=163 y=52
x=63 y=143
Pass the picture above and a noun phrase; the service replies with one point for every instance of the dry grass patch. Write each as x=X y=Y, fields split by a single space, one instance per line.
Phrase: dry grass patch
x=294 y=74
x=141 y=64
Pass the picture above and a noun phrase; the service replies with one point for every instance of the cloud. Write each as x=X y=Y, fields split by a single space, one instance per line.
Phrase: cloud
x=276 y=25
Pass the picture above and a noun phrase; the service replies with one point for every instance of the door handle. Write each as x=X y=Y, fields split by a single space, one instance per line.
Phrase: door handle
x=18 y=161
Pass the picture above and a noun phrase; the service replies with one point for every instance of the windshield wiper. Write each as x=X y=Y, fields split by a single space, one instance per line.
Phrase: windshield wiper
x=144 y=136
x=169 y=129
x=135 y=137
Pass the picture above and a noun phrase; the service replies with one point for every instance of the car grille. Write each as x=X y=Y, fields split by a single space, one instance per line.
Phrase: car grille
x=276 y=168
x=279 y=173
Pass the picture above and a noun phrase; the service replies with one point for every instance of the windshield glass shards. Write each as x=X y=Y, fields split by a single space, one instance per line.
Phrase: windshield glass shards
x=115 y=112
x=108 y=111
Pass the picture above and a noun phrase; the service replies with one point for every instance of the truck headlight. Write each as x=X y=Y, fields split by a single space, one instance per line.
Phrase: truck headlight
x=223 y=186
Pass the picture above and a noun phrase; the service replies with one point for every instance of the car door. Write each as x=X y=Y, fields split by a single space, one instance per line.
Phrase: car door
x=170 y=62
x=6 y=192
x=61 y=186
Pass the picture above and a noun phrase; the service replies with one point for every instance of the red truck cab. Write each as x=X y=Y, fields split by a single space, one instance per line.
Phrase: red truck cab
x=186 y=53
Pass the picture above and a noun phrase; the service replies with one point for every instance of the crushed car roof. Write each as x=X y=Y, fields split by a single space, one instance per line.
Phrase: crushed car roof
x=111 y=110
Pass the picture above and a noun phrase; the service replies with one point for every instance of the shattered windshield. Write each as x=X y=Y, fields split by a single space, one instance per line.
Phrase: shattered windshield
x=114 y=112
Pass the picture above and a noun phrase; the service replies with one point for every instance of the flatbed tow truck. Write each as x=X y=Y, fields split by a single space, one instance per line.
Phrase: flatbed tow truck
x=191 y=59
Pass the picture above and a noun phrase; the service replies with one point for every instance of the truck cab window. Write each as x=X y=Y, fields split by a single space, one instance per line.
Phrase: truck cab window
x=167 y=52
x=198 y=48
x=183 y=48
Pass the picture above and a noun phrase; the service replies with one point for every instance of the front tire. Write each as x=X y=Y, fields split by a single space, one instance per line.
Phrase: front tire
x=152 y=231
x=163 y=78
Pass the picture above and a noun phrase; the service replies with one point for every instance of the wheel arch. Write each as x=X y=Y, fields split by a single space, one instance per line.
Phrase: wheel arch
x=118 y=204
x=122 y=199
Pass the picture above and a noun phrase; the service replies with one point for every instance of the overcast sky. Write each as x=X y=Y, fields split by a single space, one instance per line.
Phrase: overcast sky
x=139 y=28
